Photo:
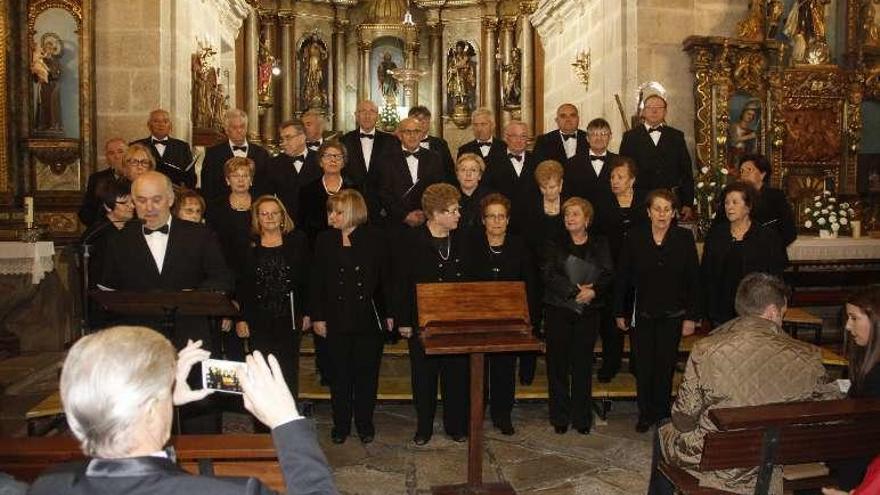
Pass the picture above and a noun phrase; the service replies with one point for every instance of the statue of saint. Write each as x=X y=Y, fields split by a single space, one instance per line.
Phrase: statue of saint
x=511 y=83
x=314 y=56
x=265 y=65
x=46 y=68
x=806 y=28
x=461 y=74
x=387 y=83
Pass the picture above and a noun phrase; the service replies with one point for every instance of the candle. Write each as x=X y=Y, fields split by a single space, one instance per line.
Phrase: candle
x=29 y=211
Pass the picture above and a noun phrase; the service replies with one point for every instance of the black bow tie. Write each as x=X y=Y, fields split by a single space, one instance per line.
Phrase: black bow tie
x=426 y=141
x=163 y=229
x=367 y=136
x=652 y=130
x=407 y=154
x=594 y=157
x=240 y=148
x=484 y=143
x=515 y=157
x=313 y=144
x=298 y=158
x=566 y=137
x=159 y=141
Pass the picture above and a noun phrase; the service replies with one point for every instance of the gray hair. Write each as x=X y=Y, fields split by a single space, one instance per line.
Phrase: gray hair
x=234 y=114
x=485 y=112
x=757 y=291
x=109 y=380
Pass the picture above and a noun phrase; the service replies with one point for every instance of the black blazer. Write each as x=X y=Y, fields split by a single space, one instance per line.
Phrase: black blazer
x=193 y=260
x=498 y=148
x=311 y=214
x=772 y=210
x=97 y=236
x=398 y=194
x=356 y=167
x=471 y=216
x=286 y=183
x=233 y=230
x=666 y=164
x=91 y=208
x=535 y=226
x=580 y=178
x=559 y=290
x=665 y=278
x=501 y=176
x=372 y=272
x=441 y=147
x=177 y=161
x=614 y=222
x=297 y=255
x=214 y=179
x=549 y=146
x=302 y=462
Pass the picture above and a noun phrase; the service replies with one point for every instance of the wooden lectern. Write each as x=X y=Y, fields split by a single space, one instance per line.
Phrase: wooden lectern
x=475 y=318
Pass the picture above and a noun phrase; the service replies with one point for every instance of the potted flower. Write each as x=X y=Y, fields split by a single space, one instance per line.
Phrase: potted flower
x=828 y=216
x=709 y=185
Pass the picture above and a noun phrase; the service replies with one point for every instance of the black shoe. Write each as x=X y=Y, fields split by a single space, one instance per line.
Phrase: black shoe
x=584 y=431
x=337 y=437
x=460 y=438
x=505 y=427
x=643 y=425
x=365 y=439
x=560 y=430
x=421 y=439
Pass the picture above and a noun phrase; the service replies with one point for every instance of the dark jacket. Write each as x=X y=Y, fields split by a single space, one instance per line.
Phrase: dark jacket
x=302 y=463
x=331 y=302
x=286 y=183
x=214 y=178
x=471 y=216
x=559 y=289
x=311 y=214
x=176 y=162
x=772 y=209
x=511 y=261
x=549 y=146
x=666 y=278
x=233 y=230
x=297 y=255
x=356 y=167
x=441 y=147
x=398 y=194
x=91 y=208
x=666 y=164
x=500 y=176
x=615 y=222
x=497 y=149
x=580 y=178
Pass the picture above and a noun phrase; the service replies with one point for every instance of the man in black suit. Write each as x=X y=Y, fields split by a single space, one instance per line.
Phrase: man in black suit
x=512 y=173
x=410 y=169
x=661 y=156
x=485 y=144
x=91 y=209
x=364 y=147
x=566 y=141
x=294 y=167
x=433 y=143
x=134 y=377
x=313 y=123
x=588 y=175
x=173 y=156
x=213 y=183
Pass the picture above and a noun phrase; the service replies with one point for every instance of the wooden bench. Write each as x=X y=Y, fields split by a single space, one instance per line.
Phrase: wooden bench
x=220 y=455
x=797 y=319
x=780 y=434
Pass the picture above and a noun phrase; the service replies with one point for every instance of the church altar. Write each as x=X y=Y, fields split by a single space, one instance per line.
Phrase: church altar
x=34 y=259
x=823 y=272
x=812 y=248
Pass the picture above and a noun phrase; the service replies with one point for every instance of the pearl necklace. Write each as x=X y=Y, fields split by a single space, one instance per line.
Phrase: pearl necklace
x=448 y=250
x=327 y=190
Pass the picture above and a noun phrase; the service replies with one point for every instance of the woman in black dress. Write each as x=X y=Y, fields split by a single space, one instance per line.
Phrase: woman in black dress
x=230 y=217
x=659 y=264
x=272 y=289
x=577 y=273
x=433 y=252
x=772 y=208
x=351 y=263
x=733 y=249
x=497 y=255
x=311 y=215
x=469 y=169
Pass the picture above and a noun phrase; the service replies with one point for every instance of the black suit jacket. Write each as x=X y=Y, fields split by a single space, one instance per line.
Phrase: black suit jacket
x=664 y=165
x=500 y=176
x=177 y=161
x=214 y=179
x=549 y=146
x=91 y=209
x=496 y=150
x=580 y=178
x=193 y=260
x=286 y=183
x=356 y=168
x=311 y=214
x=398 y=194
x=441 y=147
x=300 y=457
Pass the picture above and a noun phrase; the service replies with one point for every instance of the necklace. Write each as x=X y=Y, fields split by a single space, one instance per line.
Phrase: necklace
x=448 y=250
x=240 y=204
x=327 y=189
x=496 y=251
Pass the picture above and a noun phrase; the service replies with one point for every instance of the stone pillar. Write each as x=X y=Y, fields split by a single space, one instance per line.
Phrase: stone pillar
x=251 y=103
x=528 y=64
x=507 y=45
x=287 y=59
x=268 y=27
x=436 y=48
x=412 y=54
x=364 y=72
x=339 y=61
x=489 y=90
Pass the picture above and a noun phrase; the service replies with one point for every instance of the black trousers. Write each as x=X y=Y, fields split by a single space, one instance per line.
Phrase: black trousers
x=277 y=336
x=655 y=345
x=570 y=341
x=322 y=359
x=453 y=374
x=612 y=341
x=356 y=358
x=502 y=385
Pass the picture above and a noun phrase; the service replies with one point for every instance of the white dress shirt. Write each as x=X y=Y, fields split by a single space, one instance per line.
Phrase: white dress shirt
x=160 y=146
x=518 y=164
x=655 y=136
x=598 y=164
x=413 y=164
x=570 y=145
x=158 y=244
x=367 y=146
x=236 y=152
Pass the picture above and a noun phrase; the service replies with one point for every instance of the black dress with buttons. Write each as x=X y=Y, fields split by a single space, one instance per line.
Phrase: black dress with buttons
x=423 y=259
x=345 y=293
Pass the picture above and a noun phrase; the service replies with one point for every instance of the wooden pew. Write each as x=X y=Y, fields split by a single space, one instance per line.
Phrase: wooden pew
x=780 y=434
x=222 y=455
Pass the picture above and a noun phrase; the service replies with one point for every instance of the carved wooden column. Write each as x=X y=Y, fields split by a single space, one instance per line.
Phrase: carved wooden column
x=412 y=54
x=436 y=49
x=364 y=70
x=339 y=61
x=528 y=63
x=507 y=39
x=251 y=62
x=268 y=28
x=489 y=89
x=287 y=60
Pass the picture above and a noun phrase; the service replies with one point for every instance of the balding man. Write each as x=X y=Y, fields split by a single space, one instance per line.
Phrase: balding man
x=485 y=144
x=566 y=141
x=114 y=152
x=173 y=156
x=364 y=146
x=512 y=172
x=213 y=184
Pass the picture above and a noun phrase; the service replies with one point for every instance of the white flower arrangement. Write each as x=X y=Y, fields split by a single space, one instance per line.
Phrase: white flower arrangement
x=710 y=183
x=827 y=213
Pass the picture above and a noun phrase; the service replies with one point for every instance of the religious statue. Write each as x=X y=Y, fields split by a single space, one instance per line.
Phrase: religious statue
x=208 y=101
x=743 y=134
x=806 y=27
x=46 y=68
x=313 y=56
x=511 y=82
x=870 y=30
x=387 y=83
x=752 y=27
x=265 y=64
x=461 y=73
x=774 y=15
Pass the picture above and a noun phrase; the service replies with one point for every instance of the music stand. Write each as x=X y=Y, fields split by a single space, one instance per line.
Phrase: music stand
x=475 y=318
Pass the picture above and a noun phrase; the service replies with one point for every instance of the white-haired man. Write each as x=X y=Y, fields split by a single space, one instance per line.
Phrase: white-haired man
x=173 y=156
x=364 y=146
x=484 y=144
x=118 y=387
x=213 y=183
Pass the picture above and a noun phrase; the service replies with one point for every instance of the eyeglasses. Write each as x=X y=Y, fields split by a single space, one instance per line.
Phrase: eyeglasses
x=269 y=214
x=599 y=133
x=469 y=171
x=455 y=210
x=239 y=176
x=138 y=163
x=655 y=107
x=332 y=156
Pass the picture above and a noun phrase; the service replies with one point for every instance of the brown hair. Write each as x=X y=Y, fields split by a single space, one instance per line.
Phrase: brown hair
x=494 y=199
x=351 y=204
x=237 y=163
x=757 y=291
x=581 y=203
x=471 y=157
x=661 y=194
x=864 y=359
x=625 y=161
x=286 y=221
x=748 y=192
x=548 y=169
x=438 y=197
x=183 y=195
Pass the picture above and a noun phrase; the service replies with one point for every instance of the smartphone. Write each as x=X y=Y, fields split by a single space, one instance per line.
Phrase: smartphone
x=222 y=375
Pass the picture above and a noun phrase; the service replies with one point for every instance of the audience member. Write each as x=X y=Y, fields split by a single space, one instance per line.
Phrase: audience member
x=484 y=144
x=235 y=125
x=436 y=144
x=114 y=153
x=173 y=157
x=566 y=141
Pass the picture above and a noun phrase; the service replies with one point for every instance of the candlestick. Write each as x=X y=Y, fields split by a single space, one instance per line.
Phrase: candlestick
x=29 y=211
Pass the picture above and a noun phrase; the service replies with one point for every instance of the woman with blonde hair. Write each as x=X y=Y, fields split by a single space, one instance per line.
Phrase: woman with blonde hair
x=469 y=169
x=136 y=160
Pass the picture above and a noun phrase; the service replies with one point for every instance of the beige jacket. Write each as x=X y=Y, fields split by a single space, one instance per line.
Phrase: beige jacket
x=748 y=361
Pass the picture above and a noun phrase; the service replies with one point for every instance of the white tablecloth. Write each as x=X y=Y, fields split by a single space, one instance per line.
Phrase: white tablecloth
x=812 y=248
x=18 y=258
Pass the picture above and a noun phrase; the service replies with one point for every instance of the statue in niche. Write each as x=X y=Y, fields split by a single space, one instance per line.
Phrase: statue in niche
x=511 y=82
x=46 y=68
x=313 y=56
x=870 y=30
x=265 y=64
x=461 y=74
x=774 y=15
x=743 y=134
x=806 y=28
x=752 y=27
x=387 y=83
x=208 y=101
